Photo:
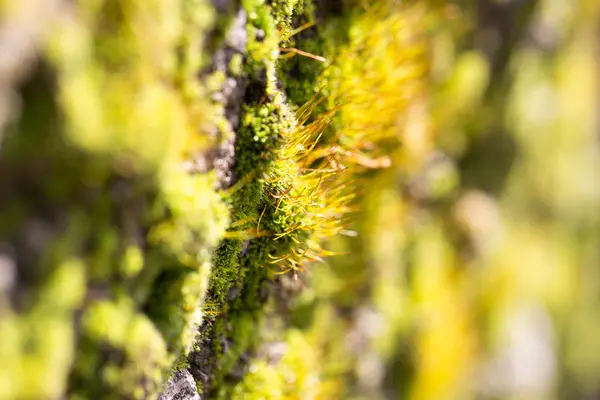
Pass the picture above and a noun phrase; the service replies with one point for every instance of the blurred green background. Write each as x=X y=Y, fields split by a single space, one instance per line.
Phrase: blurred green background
x=472 y=267
x=481 y=258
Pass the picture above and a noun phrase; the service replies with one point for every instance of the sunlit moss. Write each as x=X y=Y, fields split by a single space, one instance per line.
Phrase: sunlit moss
x=131 y=262
x=117 y=106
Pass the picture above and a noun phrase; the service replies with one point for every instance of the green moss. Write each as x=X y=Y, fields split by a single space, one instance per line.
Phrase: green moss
x=133 y=261
x=110 y=293
x=113 y=296
x=215 y=81
x=300 y=74
x=263 y=38
x=236 y=67
x=284 y=12
x=259 y=137
x=236 y=282
x=41 y=339
x=137 y=356
x=198 y=218
x=294 y=376
x=225 y=274
x=264 y=213
x=173 y=305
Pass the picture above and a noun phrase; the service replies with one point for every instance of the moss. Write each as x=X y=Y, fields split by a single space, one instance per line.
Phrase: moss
x=136 y=355
x=296 y=380
x=233 y=302
x=235 y=66
x=297 y=214
x=225 y=275
x=132 y=261
x=41 y=340
x=323 y=312
x=284 y=13
x=300 y=74
x=263 y=38
x=106 y=299
x=279 y=214
x=117 y=107
x=215 y=81
x=256 y=147
x=259 y=137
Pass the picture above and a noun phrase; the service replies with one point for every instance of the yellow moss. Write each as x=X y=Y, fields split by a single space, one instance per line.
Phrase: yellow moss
x=133 y=261
x=37 y=346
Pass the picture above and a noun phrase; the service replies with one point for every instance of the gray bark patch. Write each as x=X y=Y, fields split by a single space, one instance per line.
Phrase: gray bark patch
x=181 y=387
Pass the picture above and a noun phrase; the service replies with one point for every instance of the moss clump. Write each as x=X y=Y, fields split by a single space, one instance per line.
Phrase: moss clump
x=225 y=275
x=117 y=107
x=97 y=189
x=236 y=278
x=260 y=137
x=300 y=74
x=129 y=337
x=306 y=219
x=236 y=67
x=263 y=37
x=285 y=12
x=242 y=262
x=288 y=199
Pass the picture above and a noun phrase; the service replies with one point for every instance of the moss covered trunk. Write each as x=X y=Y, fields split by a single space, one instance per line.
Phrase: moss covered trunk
x=175 y=177
x=125 y=123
